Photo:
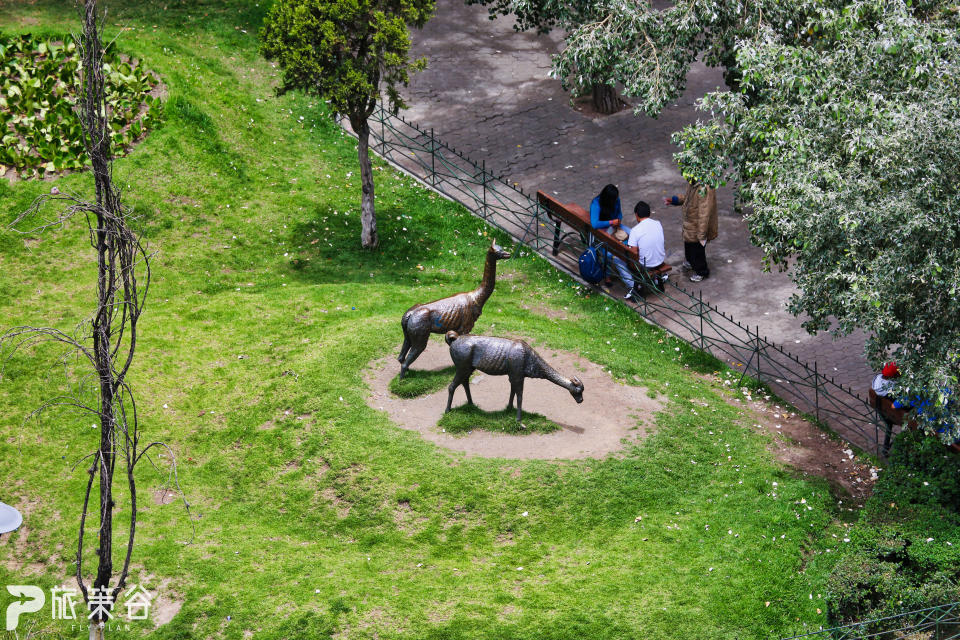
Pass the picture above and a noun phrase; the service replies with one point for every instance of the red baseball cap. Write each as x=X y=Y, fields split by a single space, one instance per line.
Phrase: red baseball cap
x=890 y=370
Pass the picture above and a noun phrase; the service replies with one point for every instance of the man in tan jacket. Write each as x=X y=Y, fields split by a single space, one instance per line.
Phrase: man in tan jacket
x=699 y=227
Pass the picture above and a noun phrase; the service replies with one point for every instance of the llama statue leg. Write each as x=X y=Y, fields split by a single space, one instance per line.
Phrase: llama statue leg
x=404 y=349
x=461 y=377
x=413 y=353
x=519 y=386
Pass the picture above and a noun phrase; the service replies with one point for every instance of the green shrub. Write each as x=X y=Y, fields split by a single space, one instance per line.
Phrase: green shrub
x=921 y=471
x=872 y=583
x=904 y=552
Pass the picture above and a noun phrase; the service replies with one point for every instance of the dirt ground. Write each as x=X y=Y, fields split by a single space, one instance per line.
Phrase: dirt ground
x=611 y=415
x=804 y=446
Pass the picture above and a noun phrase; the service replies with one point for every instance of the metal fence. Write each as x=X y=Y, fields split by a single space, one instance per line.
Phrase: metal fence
x=935 y=623
x=506 y=206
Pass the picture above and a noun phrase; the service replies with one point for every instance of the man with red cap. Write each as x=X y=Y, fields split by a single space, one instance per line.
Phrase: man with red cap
x=890 y=410
x=884 y=382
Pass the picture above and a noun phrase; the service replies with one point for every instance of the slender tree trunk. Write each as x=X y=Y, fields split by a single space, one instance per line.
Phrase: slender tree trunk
x=368 y=217
x=96 y=633
x=605 y=98
x=101 y=337
x=108 y=235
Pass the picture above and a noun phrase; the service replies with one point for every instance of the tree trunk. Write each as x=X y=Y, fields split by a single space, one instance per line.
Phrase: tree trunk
x=368 y=217
x=98 y=137
x=605 y=98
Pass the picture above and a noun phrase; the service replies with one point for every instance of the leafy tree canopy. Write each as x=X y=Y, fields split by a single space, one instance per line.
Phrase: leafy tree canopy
x=342 y=51
x=649 y=50
x=846 y=148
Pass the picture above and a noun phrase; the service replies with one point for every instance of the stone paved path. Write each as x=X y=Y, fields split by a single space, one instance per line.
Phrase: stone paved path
x=487 y=92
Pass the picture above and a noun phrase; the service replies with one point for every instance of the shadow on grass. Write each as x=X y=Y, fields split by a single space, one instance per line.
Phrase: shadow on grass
x=466 y=418
x=421 y=383
x=417 y=241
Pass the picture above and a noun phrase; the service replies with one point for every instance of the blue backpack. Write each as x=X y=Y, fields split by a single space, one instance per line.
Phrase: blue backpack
x=593 y=265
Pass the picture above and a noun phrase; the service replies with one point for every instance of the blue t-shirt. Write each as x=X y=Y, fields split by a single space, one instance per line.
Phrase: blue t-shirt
x=595 y=220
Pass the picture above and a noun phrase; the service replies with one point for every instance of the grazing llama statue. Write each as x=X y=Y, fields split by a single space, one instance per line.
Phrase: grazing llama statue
x=457 y=313
x=502 y=357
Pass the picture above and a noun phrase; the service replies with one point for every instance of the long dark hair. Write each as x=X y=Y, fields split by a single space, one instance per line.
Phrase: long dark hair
x=608 y=202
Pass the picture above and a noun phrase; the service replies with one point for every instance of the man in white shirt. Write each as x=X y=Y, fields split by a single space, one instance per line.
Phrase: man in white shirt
x=647 y=237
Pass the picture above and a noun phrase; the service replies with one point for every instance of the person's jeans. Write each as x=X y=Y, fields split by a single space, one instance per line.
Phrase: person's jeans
x=624 y=272
x=696 y=255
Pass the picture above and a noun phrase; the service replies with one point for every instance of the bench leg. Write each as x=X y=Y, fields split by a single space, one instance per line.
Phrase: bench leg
x=556 y=239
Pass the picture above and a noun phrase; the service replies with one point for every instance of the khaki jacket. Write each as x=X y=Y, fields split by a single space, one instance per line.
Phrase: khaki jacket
x=699 y=214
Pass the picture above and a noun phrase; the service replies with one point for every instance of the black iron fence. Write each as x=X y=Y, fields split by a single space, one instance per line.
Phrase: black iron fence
x=506 y=206
x=935 y=623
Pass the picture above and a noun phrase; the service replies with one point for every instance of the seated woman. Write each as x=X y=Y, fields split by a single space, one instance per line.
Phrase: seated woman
x=605 y=209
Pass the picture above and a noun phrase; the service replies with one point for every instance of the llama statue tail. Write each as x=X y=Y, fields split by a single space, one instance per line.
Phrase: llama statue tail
x=451 y=336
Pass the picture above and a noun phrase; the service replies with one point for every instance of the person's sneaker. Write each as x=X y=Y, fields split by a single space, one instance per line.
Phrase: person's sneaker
x=686 y=265
x=630 y=295
x=697 y=278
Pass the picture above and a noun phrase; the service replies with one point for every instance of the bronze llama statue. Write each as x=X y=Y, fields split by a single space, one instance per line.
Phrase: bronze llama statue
x=457 y=313
x=502 y=357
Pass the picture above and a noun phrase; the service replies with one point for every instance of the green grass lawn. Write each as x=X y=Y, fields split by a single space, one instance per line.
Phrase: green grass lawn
x=314 y=514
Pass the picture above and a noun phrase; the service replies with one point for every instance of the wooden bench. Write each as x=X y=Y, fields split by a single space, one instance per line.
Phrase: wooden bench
x=578 y=220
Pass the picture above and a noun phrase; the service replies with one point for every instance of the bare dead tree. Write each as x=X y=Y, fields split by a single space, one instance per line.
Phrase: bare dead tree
x=107 y=340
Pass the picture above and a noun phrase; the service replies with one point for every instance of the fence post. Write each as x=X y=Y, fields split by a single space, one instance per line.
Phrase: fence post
x=759 y=378
x=816 y=390
x=700 y=313
x=483 y=182
x=433 y=159
x=383 y=136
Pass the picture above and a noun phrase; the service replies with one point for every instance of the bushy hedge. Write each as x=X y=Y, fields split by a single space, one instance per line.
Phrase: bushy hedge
x=39 y=83
x=904 y=551
x=922 y=472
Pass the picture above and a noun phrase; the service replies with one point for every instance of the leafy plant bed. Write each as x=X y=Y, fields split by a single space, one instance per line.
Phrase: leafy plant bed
x=39 y=80
x=467 y=418
x=421 y=382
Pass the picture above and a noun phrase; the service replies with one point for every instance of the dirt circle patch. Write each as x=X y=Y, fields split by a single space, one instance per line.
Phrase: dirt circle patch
x=611 y=416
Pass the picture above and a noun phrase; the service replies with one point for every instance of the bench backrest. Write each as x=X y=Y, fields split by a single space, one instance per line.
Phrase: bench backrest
x=578 y=219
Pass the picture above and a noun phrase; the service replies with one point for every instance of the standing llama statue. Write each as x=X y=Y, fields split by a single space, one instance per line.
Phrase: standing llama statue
x=502 y=357
x=457 y=313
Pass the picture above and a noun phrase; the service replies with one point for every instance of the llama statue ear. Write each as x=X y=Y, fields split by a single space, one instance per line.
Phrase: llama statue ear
x=577 y=382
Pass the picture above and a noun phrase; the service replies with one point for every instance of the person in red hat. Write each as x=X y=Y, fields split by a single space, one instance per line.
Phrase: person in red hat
x=890 y=411
x=884 y=382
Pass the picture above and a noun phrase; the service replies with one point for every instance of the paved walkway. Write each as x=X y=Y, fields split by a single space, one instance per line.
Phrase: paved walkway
x=487 y=92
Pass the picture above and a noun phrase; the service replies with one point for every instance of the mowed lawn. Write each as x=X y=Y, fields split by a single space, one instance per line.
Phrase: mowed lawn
x=314 y=515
